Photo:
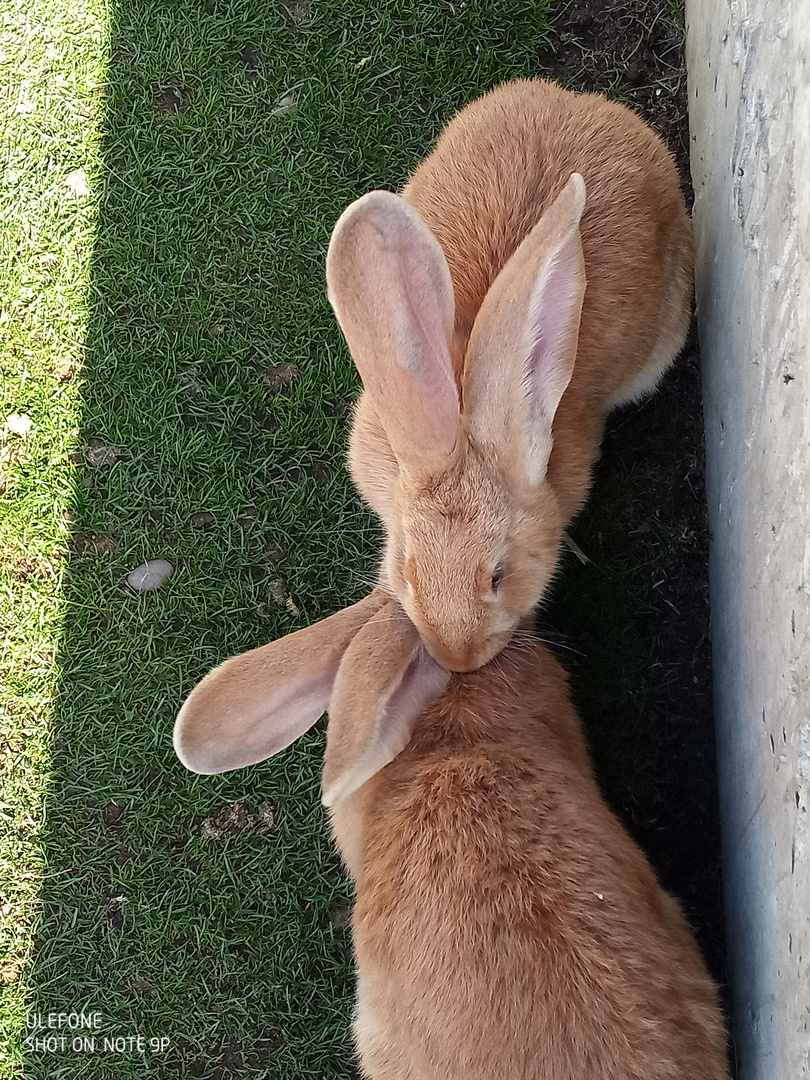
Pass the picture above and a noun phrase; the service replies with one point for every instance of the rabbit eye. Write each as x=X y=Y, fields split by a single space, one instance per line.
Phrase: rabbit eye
x=497 y=577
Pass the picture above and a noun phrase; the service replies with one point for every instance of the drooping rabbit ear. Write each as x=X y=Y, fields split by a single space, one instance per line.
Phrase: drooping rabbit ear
x=385 y=680
x=254 y=705
x=390 y=286
x=524 y=341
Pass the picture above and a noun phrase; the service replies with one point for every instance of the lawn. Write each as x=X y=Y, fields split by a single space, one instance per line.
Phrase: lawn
x=174 y=386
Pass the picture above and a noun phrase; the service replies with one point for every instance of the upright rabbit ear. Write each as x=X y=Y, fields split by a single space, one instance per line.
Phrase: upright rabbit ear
x=524 y=341
x=390 y=286
x=254 y=705
x=385 y=680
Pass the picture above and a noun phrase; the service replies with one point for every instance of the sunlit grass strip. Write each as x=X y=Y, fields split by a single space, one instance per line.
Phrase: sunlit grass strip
x=52 y=64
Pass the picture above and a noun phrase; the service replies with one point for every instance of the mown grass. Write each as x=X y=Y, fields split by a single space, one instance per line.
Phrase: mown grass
x=143 y=325
x=53 y=64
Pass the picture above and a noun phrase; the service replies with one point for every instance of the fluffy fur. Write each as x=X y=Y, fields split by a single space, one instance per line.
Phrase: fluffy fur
x=506 y=926
x=478 y=484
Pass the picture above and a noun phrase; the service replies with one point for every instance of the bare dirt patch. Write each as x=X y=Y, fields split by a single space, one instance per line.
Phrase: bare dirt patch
x=632 y=51
x=237 y=817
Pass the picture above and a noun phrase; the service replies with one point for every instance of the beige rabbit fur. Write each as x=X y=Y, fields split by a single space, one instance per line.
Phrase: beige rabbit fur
x=535 y=272
x=506 y=927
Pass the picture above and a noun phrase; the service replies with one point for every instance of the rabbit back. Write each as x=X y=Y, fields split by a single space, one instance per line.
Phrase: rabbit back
x=495 y=169
x=498 y=165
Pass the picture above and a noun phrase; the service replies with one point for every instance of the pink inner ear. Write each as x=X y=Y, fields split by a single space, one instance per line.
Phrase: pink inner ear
x=254 y=705
x=390 y=286
x=423 y=680
x=371 y=721
x=553 y=318
x=523 y=343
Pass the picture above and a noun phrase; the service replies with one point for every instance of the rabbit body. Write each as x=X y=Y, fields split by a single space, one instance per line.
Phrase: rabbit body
x=465 y=496
x=496 y=168
x=506 y=926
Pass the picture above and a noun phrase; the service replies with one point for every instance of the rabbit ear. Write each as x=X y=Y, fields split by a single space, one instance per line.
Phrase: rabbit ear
x=385 y=680
x=390 y=286
x=254 y=705
x=524 y=341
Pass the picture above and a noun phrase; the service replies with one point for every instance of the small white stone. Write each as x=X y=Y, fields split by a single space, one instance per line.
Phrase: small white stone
x=284 y=105
x=77 y=183
x=150 y=575
x=102 y=455
x=19 y=424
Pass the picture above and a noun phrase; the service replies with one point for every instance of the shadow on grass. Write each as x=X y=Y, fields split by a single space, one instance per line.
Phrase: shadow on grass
x=212 y=912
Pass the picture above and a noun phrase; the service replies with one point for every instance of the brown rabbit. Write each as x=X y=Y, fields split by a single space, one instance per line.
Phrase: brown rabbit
x=506 y=926
x=488 y=366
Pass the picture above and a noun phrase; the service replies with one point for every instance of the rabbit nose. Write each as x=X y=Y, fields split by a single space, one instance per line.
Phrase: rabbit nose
x=456 y=658
x=471 y=654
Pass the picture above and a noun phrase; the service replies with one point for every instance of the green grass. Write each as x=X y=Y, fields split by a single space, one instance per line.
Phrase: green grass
x=53 y=65
x=143 y=316
x=220 y=140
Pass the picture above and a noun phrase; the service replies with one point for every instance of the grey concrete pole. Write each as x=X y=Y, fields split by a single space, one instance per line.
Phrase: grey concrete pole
x=749 y=107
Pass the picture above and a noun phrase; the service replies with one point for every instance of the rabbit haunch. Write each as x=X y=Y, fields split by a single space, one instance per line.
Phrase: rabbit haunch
x=506 y=926
x=535 y=272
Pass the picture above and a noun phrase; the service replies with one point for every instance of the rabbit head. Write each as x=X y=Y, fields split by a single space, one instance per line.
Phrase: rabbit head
x=365 y=663
x=455 y=461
